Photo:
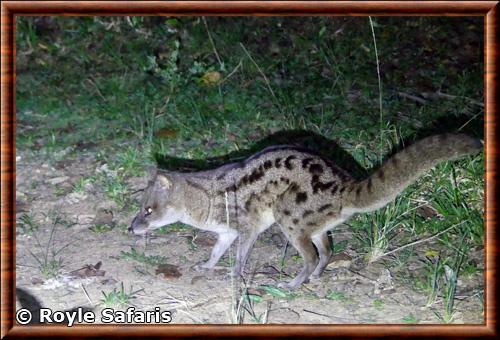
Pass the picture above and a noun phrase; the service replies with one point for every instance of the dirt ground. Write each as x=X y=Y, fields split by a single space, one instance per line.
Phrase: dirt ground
x=349 y=291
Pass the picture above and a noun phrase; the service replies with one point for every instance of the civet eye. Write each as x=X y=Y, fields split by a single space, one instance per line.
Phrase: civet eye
x=148 y=211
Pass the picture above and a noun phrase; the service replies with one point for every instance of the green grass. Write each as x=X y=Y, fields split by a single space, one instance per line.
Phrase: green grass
x=173 y=228
x=278 y=292
x=338 y=296
x=80 y=185
x=100 y=228
x=378 y=304
x=410 y=319
x=118 y=297
x=27 y=223
x=152 y=260
x=47 y=255
x=132 y=90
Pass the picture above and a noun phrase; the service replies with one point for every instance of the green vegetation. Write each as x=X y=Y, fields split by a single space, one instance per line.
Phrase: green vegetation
x=338 y=296
x=118 y=297
x=27 y=223
x=152 y=260
x=410 y=319
x=278 y=292
x=100 y=228
x=48 y=256
x=379 y=304
x=245 y=305
x=135 y=90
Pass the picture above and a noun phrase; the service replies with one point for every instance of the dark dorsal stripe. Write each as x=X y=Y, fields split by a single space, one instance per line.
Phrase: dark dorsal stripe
x=277 y=162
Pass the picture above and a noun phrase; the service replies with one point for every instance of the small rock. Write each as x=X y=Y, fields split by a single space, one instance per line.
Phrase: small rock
x=109 y=282
x=341 y=274
x=103 y=217
x=22 y=206
x=52 y=283
x=36 y=281
x=278 y=240
x=57 y=180
x=89 y=186
x=63 y=164
x=104 y=169
x=85 y=219
x=384 y=283
x=21 y=195
x=75 y=197
x=340 y=260
x=197 y=278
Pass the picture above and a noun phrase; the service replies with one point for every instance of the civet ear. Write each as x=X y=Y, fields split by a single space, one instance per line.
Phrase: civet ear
x=164 y=181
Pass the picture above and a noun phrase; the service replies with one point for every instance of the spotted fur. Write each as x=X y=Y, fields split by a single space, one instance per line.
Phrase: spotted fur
x=304 y=193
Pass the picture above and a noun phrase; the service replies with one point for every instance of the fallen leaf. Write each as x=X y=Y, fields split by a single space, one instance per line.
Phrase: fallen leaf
x=431 y=253
x=196 y=279
x=427 y=211
x=204 y=240
x=103 y=217
x=169 y=271
x=166 y=133
x=88 y=271
x=274 y=291
x=211 y=78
